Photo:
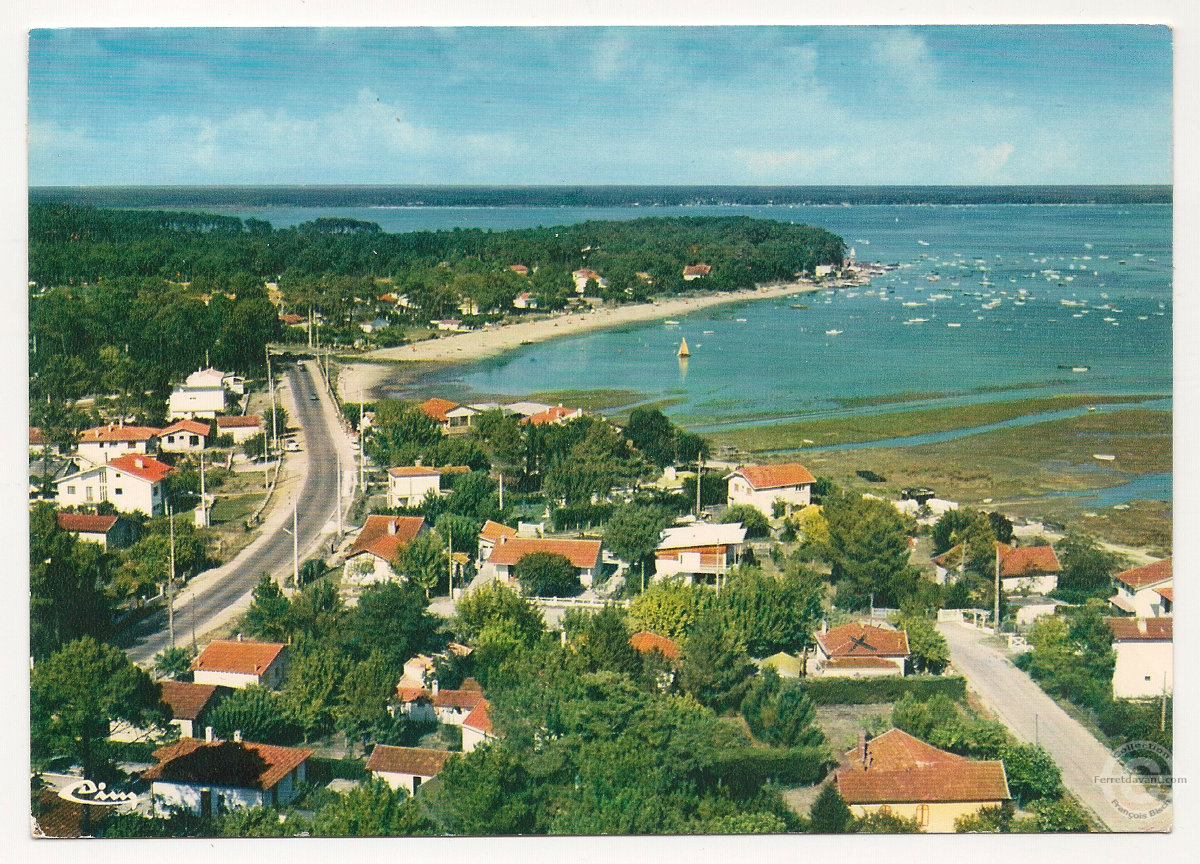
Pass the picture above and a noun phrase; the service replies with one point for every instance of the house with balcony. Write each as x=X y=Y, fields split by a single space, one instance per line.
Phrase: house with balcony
x=101 y=443
x=409 y=484
x=699 y=553
x=761 y=486
x=1147 y=591
x=132 y=484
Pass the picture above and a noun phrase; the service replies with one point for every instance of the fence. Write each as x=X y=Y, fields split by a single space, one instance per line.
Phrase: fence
x=576 y=602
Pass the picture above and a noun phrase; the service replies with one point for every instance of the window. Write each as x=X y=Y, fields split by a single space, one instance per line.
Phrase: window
x=117 y=490
x=89 y=493
x=195 y=440
x=70 y=490
x=923 y=815
x=416 y=784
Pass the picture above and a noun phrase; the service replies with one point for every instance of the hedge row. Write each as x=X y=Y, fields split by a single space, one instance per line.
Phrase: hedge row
x=578 y=516
x=860 y=691
x=321 y=770
x=744 y=771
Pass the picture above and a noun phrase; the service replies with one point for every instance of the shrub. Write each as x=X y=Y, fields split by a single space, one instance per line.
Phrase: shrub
x=1032 y=774
x=861 y=691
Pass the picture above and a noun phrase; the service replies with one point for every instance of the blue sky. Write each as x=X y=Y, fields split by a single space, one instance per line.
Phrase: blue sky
x=744 y=105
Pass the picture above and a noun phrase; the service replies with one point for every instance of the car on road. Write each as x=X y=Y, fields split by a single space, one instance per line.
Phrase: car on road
x=292 y=446
x=313 y=397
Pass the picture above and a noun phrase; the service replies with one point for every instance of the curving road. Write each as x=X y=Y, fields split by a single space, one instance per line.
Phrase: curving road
x=214 y=596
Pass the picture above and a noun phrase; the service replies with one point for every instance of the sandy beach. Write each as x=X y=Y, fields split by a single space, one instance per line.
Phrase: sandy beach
x=377 y=367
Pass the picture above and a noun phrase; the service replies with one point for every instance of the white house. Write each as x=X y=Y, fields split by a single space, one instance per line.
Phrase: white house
x=582 y=277
x=583 y=554
x=1147 y=591
x=111 y=532
x=377 y=545
x=858 y=650
x=130 y=483
x=406 y=767
x=241 y=427
x=409 y=484
x=238 y=664
x=477 y=728
x=211 y=777
x=1032 y=607
x=698 y=552
x=525 y=300
x=1144 y=648
x=184 y=436
x=489 y=536
x=453 y=706
x=761 y=486
x=1028 y=569
x=202 y=396
x=101 y=443
x=526 y=408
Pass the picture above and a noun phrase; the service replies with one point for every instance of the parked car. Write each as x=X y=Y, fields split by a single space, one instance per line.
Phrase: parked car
x=292 y=446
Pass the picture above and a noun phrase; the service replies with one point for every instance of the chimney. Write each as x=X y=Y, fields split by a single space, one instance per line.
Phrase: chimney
x=824 y=626
x=237 y=735
x=208 y=734
x=1141 y=625
x=862 y=747
x=139 y=462
x=391 y=526
x=239 y=637
x=435 y=687
x=417 y=461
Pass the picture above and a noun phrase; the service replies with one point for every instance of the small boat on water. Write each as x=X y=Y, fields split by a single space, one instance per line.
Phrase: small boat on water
x=953 y=324
x=1104 y=457
x=671 y=323
x=922 y=243
x=799 y=305
x=833 y=332
x=683 y=349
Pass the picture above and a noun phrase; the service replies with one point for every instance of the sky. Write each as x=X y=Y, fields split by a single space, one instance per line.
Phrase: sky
x=585 y=105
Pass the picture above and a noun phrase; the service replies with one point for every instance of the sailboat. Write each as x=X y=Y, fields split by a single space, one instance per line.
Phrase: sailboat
x=683 y=349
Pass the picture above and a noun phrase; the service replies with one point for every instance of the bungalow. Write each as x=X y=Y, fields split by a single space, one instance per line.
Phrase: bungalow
x=408 y=485
x=406 y=767
x=526 y=408
x=899 y=773
x=698 y=552
x=1140 y=590
x=1144 y=648
x=491 y=534
x=101 y=443
x=1028 y=569
x=453 y=706
x=239 y=664
x=583 y=276
x=696 y=271
x=645 y=642
x=130 y=483
x=241 y=427
x=525 y=300
x=380 y=540
x=111 y=532
x=858 y=650
x=184 y=436
x=761 y=486
x=452 y=417
x=556 y=416
x=212 y=777
x=189 y=703
x=519 y=269
x=477 y=728
x=1034 y=606
x=584 y=555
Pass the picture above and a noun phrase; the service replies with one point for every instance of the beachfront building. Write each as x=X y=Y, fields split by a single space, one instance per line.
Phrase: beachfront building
x=238 y=664
x=555 y=416
x=1145 y=657
x=857 y=650
x=1027 y=569
x=761 y=486
x=903 y=775
x=525 y=300
x=409 y=484
x=583 y=276
x=378 y=544
x=454 y=419
x=1147 y=591
x=132 y=484
x=101 y=443
x=584 y=555
x=406 y=767
x=698 y=553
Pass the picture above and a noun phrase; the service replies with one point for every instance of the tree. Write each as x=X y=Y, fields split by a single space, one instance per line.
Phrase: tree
x=1060 y=815
x=1032 y=774
x=255 y=447
x=751 y=517
x=974 y=528
x=770 y=613
x=487 y=791
x=668 y=608
x=312 y=694
x=173 y=663
x=424 y=562
x=261 y=822
x=715 y=666
x=391 y=618
x=258 y=713
x=985 y=820
x=77 y=692
x=495 y=606
x=651 y=432
x=268 y=616
x=1087 y=568
x=829 y=813
x=317 y=612
x=373 y=809
x=885 y=822
x=928 y=651
x=633 y=531
x=547 y=574
x=781 y=713
x=602 y=639
x=868 y=549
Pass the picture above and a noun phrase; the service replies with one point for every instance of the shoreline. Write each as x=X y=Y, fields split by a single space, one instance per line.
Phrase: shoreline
x=373 y=370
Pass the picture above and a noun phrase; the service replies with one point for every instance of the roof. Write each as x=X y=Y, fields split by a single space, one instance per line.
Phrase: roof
x=697 y=270
x=581 y=553
x=901 y=768
x=57 y=817
x=553 y=415
x=1150 y=574
x=493 y=531
x=415 y=471
x=645 y=642
x=145 y=467
x=187 y=700
x=1167 y=593
x=406 y=693
x=407 y=760
x=292 y=318
x=776 y=476
x=949 y=559
x=244 y=658
x=587 y=273
x=859 y=663
x=437 y=408
x=863 y=640
x=187 y=426
x=225 y=763
x=480 y=719
x=784 y=662
x=379 y=539
x=35 y=436
x=1026 y=560
x=702 y=534
x=1141 y=629
x=86 y=523
x=239 y=422
x=114 y=432
x=457 y=698
x=518 y=268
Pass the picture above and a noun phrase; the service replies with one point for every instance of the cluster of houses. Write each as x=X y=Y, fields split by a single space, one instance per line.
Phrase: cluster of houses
x=1143 y=635
x=456 y=419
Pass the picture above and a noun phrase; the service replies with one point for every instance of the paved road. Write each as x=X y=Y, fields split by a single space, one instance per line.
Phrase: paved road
x=1016 y=700
x=214 y=596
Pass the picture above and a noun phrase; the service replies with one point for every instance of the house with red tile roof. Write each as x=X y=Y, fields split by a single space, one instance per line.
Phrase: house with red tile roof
x=696 y=271
x=858 y=650
x=406 y=767
x=241 y=427
x=130 y=483
x=184 y=436
x=102 y=443
x=761 y=486
x=453 y=706
x=584 y=555
x=555 y=416
x=525 y=300
x=378 y=544
x=519 y=269
x=583 y=275
x=1028 y=569
x=1145 y=657
x=109 y=531
x=645 y=642
x=291 y=319
x=238 y=663
x=1140 y=590
x=210 y=777
x=489 y=536
x=915 y=780
x=477 y=728
x=409 y=484
x=189 y=704
x=436 y=408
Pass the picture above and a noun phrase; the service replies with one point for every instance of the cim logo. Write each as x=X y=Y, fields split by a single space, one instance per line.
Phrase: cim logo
x=87 y=792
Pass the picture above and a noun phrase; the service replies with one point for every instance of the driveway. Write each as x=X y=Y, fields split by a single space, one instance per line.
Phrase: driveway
x=1027 y=711
x=214 y=597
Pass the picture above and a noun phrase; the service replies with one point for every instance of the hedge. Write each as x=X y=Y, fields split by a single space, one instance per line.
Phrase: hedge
x=745 y=770
x=321 y=770
x=861 y=691
x=579 y=516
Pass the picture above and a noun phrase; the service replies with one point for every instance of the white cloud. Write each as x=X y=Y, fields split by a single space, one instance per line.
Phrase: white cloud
x=989 y=161
x=796 y=165
x=905 y=59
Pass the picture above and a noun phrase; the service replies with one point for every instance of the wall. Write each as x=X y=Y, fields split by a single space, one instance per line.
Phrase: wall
x=189 y=402
x=411 y=491
x=381 y=571
x=226 y=679
x=472 y=738
x=1040 y=584
x=1137 y=660
x=741 y=492
x=169 y=795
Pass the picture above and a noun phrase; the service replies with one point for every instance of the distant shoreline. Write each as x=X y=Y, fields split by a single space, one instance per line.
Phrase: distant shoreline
x=375 y=369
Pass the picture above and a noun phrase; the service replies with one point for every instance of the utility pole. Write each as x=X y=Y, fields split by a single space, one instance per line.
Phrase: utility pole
x=171 y=580
x=339 y=492
x=271 y=390
x=501 y=492
x=295 y=546
x=362 y=445
x=996 y=619
x=699 y=480
x=450 y=558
